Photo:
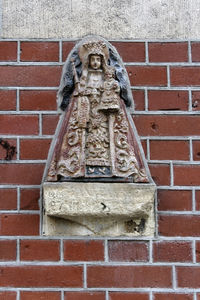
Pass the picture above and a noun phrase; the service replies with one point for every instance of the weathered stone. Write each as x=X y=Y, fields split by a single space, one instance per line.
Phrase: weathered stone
x=116 y=19
x=77 y=208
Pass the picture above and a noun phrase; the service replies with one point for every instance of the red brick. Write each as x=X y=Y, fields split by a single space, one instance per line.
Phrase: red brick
x=7 y=100
x=66 y=48
x=167 y=100
x=19 y=224
x=128 y=296
x=188 y=277
x=168 y=52
x=129 y=276
x=197 y=200
x=185 y=76
x=8 y=199
x=172 y=296
x=195 y=47
x=128 y=251
x=40 y=295
x=179 y=225
x=169 y=150
x=49 y=123
x=85 y=296
x=130 y=51
x=21 y=173
x=154 y=125
x=8 y=295
x=195 y=100
x=34 y=148
x=179 y=200
x=16 y=124
x=37 y=100
x=160 y=173
x=8 y=51
x=170 y=251
x=76 y=250
x=41 y=276
x=39 y=51
x=196 y=150
x=29 y=199
x=198 y=251
x=198 y=296
x=3 y=150
x=30 y=75
x=8 y=250
x=138 y=98
x=46 y=250
x=187 y=175
x=147 y=75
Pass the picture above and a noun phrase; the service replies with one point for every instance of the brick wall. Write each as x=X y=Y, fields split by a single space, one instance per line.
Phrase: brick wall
x=165 y=79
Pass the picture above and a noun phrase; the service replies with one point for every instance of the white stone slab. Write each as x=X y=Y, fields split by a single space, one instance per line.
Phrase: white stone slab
x=77 y=208
x=113 y=19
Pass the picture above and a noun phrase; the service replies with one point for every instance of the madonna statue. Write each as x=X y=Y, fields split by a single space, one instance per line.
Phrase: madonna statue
x=96 y=139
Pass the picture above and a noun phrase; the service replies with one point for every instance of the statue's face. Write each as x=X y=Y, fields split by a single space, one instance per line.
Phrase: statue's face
x=95 y=61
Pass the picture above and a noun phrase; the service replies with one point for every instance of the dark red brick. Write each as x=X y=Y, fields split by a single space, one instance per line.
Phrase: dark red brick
x=197 y=200
x=160 y=173
x=39 y=51
x=167 y=100
x=178 y=200
x=19 y=125
x=49 y=123
x=196 y=150
x=172 y=251
x=30 y=76
x=188 y=277
x=34 y=148
x=198 y=251
x=7 y=100
x=19 y=224
x=131 y=51
x=173 y=296
x=8 y=51
x=187 y=175
x=8 y=250
x=85 y=296
x=144 y=146
x=171 y=125
x=41 y=276
x=185 y=76
x=37 y=100
x=8 y=295
x=76 y=250
x=29 y=199
x=66 y=48
x=195 y=100
x=47 y=250
x=21 y=173
x=147 y=75
x=128 y=296
x=8 y=199
x=138 y=98
x=128 y=251
x=195 y=47
x=40 y=295
x=168 y=52
x=169 y=150
x=129 y=276
x=5 y=149
x=179 y=225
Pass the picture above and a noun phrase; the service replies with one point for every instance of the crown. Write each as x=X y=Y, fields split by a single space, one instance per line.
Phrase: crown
x=98 y=47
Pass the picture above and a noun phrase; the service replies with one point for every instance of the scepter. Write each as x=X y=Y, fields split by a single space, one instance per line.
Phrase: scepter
x=76 y=79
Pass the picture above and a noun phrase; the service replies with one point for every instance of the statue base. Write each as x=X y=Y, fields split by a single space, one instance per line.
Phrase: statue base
x=98 y=209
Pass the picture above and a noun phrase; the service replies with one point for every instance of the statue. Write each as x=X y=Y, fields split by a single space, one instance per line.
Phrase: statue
x=96 y=141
